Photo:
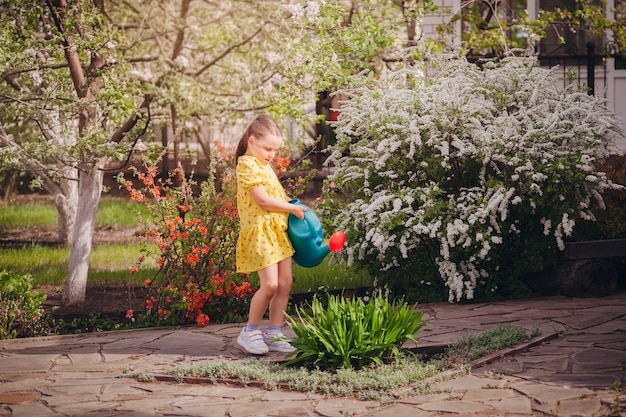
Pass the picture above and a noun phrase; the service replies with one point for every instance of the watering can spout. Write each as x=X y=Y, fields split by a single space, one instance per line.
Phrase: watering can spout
x=313 y=258
x=307 y=238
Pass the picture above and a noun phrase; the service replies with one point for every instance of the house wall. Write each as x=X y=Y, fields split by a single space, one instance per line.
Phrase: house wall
x=616 y=97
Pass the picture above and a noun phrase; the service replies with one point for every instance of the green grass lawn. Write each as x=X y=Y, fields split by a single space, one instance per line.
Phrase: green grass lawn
x=48 y=265
x=27 y=215
x=328 y=277
x=111 y=263
x=112 y=211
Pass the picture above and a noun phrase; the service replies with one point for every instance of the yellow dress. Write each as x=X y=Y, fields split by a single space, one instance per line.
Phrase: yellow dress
x=263 y=239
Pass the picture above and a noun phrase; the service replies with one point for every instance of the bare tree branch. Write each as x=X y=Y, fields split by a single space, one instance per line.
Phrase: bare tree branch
x=121 y=132
x=227 y=51
x=58 y=7
x=32 y=165
x=180 y=34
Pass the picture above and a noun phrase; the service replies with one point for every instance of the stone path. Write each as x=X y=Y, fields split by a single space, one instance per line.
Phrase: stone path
x=568 y=370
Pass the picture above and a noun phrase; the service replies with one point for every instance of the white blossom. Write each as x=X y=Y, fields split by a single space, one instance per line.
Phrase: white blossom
x=568 y=224
x=145 y=74
x=451 y=161
x=181 y=61
x=296 y=10
x=312 y=10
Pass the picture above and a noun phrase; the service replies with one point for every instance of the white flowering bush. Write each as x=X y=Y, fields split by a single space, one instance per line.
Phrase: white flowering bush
x=474 y=174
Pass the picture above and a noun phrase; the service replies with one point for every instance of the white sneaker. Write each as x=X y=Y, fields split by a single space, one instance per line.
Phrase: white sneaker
x=277 y=345
x=252 y=342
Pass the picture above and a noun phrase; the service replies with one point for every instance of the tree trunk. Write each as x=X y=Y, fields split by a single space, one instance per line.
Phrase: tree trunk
x=89 y=192
x=66 y=203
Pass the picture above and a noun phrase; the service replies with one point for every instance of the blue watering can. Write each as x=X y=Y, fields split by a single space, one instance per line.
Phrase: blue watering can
x=307 y=238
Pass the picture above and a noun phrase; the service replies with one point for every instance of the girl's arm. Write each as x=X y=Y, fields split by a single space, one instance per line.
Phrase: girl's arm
x=260 y=196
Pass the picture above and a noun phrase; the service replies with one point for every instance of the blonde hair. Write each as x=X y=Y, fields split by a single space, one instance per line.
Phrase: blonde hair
x=261 y=126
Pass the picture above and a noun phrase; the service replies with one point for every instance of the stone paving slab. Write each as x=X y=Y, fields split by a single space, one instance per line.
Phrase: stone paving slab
x=568 y=372
x=399 y=410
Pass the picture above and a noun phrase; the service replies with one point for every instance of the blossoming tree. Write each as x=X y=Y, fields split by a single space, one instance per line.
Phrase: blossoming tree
x=82 y=81
x=473 y=173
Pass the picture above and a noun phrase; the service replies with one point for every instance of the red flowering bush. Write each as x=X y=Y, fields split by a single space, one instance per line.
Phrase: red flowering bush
x=195 y=237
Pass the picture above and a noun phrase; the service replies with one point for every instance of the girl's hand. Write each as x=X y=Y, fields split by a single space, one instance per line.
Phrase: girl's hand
x=297 y=210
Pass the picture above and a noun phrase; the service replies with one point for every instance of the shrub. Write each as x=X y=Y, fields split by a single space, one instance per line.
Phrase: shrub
x=21 y=314
x=474 y=174
x=195 y=237
x=350 y=333
x=610 y=222
x=471 y=347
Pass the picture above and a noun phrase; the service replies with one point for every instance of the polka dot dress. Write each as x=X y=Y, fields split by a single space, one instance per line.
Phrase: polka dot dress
x=263 y=239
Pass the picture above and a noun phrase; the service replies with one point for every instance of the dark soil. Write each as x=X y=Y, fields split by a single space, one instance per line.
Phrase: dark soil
x=46 y=236
x=106 y=300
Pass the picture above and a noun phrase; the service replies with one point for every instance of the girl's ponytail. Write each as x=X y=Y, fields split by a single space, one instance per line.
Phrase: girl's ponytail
x=242 y=146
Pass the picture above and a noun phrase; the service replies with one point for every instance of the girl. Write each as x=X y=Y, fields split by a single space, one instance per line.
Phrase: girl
x=263 y=244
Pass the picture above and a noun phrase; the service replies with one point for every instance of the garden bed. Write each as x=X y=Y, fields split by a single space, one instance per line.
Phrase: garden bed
x=110 y=301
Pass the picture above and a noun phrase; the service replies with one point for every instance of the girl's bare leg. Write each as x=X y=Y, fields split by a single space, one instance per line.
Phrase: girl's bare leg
x=276 y=281
x=278 y=304
x=261 y=299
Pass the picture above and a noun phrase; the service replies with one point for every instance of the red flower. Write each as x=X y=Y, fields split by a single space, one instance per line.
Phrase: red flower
x=202 y=319
x=281 y=163
x=129 y=314
x=193 y=259
x=243 y=290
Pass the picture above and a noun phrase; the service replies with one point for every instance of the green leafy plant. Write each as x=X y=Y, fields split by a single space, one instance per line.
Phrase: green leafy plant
x=95 y=322
x=351 y=333
x=471 y=347
x=378 y=383
x=414 y=374
x=21 y=314
x=616 y=406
